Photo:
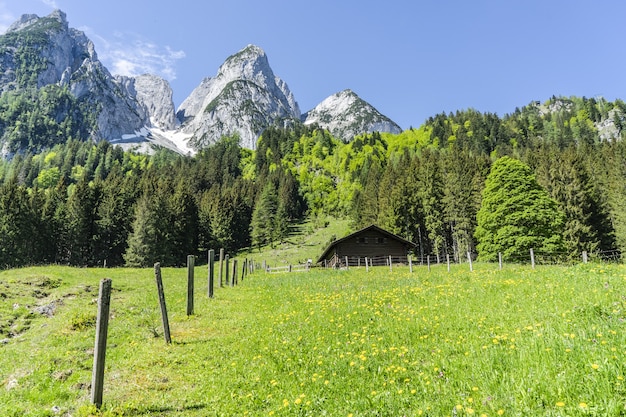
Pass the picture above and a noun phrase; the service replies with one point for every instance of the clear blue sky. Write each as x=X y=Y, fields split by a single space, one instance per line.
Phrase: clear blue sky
x=409 y=59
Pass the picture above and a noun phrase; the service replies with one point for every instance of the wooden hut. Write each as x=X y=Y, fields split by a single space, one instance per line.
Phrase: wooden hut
x=371 y=242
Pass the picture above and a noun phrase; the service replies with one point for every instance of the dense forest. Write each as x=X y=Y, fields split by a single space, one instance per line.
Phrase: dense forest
x=464 y=181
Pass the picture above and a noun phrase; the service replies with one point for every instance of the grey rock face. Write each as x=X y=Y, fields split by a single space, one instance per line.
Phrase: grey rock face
x=346 y=115
x=155 y=95
x=67 y=57
x=243 y=98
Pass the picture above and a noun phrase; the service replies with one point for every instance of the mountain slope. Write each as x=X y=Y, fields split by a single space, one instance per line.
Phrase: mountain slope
x=39 y=52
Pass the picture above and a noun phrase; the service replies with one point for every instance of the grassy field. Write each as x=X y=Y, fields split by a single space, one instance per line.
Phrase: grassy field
x=517 y=342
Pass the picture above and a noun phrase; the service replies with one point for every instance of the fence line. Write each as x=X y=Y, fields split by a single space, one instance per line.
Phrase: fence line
x=533 y=259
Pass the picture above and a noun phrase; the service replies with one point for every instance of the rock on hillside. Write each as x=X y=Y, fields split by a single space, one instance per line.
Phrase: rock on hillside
x=346 y=115
x=155 y=94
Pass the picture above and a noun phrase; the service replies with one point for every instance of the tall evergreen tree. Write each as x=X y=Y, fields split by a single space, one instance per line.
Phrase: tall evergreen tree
x=148 y=242
x=114 y=221
x=16 y=226
x=183 y=211
x=264 y=217
x=569 y=184
x=81 y=219
x=463 y=182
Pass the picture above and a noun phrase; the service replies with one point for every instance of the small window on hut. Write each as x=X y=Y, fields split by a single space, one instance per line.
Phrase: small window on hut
x=381 y=240
x=362 y=240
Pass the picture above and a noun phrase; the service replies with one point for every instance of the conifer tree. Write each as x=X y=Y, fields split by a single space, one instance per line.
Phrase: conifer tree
x=81 y=222
x=16 y=225
x=146 y=242
x=264 y=217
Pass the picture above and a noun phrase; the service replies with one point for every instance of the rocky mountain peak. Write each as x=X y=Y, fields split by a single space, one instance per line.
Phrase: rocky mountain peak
x=32 y=20
x=346 y=115
x=248 y=64
x=243 y=98
x=66 y=57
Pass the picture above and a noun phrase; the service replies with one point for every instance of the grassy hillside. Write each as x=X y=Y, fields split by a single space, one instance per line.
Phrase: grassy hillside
x=306 y=241
x=548 y=341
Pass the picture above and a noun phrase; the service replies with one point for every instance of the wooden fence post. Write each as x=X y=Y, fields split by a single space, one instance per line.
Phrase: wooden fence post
x=235 y=278
x=159 y=282
x=347 y=264
x=221 y=268
x=226 y=270
x=390 y=264
x=585 y=259
x=428 y=262
x=469 y=258
x=410 y=263
x=500 y=259
x=532 y=257
x=211 y=272
x=448 y=261
x=190 y=281
x=367 y=267
x=99 y=354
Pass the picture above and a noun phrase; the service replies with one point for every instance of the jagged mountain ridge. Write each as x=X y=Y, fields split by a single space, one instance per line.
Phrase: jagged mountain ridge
x=243 y=98
x=67 y=58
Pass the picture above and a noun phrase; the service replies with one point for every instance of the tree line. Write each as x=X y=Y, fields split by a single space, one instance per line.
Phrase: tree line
x=545 y=172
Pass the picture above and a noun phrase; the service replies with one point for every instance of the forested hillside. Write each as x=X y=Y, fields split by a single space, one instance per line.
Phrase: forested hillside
x=82 y=203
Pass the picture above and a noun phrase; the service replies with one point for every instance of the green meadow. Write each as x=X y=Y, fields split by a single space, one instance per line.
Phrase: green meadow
x=549 y=341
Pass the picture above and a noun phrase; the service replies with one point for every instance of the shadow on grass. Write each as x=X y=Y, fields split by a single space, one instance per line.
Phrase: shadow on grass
x=163 y=410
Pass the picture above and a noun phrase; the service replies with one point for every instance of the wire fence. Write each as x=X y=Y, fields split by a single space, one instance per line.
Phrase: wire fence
x=533 y=258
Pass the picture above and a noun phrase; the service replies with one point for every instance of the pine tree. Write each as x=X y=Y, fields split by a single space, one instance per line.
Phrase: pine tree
x=264 y=217
x=81 y=221
x=463 y=182
x=147 y=240
x=568 y=183
x=16 y=226
x=430 y=195
x=113 y=224
x=183 y=237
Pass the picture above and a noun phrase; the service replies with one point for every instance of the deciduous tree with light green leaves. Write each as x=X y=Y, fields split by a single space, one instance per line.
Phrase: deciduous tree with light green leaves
x=516 y=215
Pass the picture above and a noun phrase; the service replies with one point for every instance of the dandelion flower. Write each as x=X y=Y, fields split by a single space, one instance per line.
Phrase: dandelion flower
x=560 y=404
x=595 y=365
x=582 y=405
